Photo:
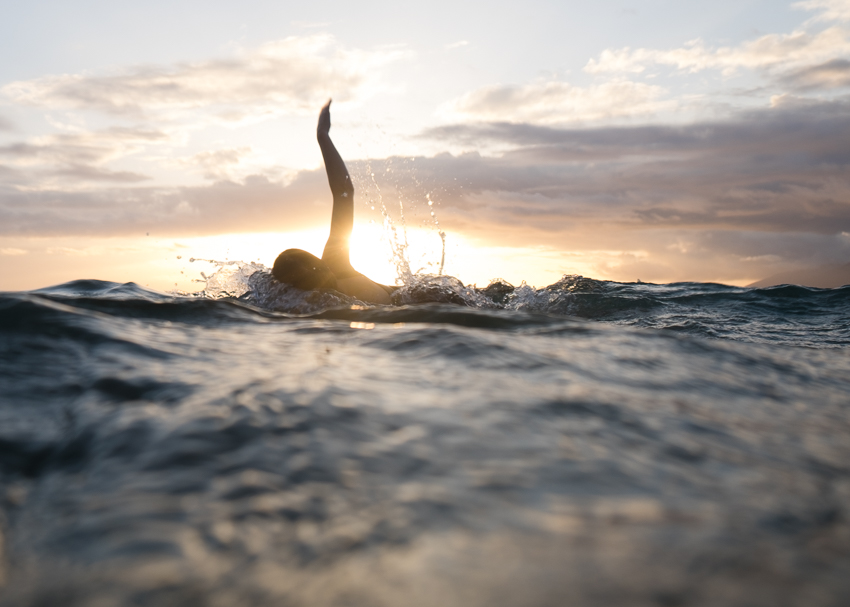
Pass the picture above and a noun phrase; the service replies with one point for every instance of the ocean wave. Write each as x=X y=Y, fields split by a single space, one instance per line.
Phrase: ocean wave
x=787 y=314
x=273 y=446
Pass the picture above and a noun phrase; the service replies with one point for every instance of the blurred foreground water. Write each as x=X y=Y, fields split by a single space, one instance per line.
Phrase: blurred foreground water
x=591 y=443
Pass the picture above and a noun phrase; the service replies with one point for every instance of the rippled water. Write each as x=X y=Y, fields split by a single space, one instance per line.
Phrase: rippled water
x=591 y=443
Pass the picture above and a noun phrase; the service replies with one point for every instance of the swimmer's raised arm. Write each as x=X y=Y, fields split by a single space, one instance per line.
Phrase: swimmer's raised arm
x=336 y=253
x=338 y=177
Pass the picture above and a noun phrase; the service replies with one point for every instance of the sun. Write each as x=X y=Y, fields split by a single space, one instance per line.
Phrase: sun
x=385 y=255
x=371 y=254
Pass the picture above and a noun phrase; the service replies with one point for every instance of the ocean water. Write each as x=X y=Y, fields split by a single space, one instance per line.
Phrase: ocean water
x=589 y=443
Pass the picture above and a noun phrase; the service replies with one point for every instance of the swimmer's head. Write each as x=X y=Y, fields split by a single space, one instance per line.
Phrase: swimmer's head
x=303 y=270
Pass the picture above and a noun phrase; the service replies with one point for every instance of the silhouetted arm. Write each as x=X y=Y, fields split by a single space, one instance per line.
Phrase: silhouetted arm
x=336 y=253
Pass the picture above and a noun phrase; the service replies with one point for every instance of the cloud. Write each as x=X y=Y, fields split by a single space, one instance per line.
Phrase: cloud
x=719 y=255
x=255 y=204
x=82 y=147
x=9 y=175
x=770 y=52
x=830 y=75
x=557 y=102
x=287 y=76
x=806 y=60
x=218 y=164
x=830 y=10
x=5 y=125
x=77 y=156
x=778 y=169
x=81 y=173
x=790 y=125
x=50 y=182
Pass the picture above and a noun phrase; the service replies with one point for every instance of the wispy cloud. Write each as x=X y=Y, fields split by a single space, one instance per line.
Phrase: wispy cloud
x=84 y=173
x=809 y=59
x=292 y=75
x=810 y=51
x=783 y=168
x=216 y=163
x=225 y=206
x=84 y=147
x=557 y=102
x=77 y=157
x=282 y=78
x=770 y=52
x=828 y=10
x=833 y=74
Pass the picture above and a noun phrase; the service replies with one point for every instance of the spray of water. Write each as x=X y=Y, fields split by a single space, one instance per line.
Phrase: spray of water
x=395 y=230
x=231 y=278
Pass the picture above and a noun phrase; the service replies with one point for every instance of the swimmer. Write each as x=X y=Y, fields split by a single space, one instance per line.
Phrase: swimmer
x=333 y=271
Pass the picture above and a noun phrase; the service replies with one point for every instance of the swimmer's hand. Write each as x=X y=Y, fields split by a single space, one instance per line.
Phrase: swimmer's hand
x=324 y=125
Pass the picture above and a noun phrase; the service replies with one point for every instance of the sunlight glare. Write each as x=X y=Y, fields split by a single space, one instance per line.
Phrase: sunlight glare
x=372 y=250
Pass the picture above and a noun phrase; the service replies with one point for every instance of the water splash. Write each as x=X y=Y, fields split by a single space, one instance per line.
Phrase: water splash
x=396 y=235
x=431 y=288
x=440 y=232
x=231 y=278
x=253 y=283
x=395 y=230
x=267 y=293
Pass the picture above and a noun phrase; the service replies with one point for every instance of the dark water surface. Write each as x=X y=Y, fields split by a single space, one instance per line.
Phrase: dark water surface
x=591 y=443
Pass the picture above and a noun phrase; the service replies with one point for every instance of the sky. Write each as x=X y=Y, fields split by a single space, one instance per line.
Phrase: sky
x=656 y=140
